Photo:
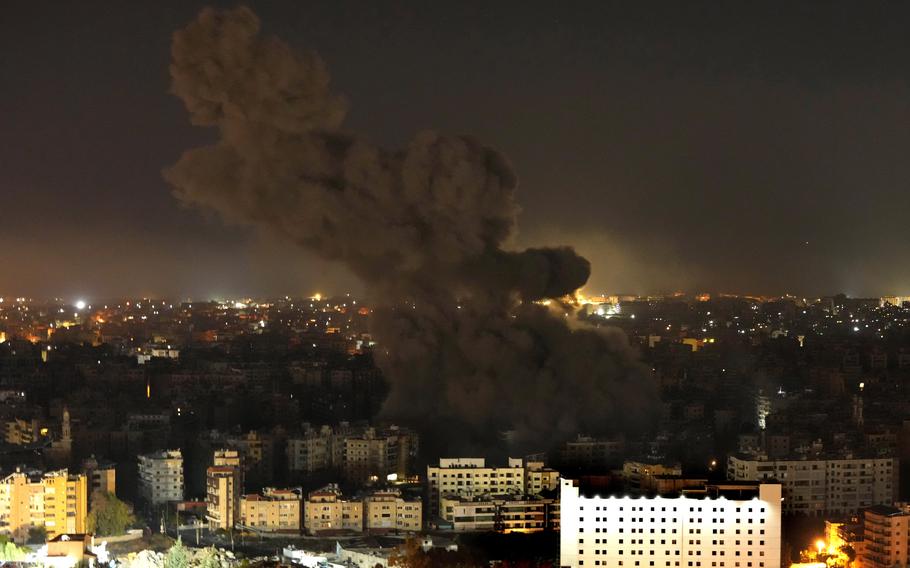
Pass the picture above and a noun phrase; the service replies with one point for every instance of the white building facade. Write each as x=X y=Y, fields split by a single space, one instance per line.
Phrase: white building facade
x=472 y=477
x=722 y=526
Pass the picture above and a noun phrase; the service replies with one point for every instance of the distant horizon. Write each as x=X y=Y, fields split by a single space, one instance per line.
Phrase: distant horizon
x=72 y=300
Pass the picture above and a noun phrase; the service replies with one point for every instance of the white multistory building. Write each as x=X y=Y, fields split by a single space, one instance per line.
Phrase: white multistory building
x=161 y=477
x=719 y=526
x=472 y=477
x=823 y=486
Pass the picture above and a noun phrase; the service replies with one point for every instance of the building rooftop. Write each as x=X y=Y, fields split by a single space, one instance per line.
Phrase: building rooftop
x=162 y=455
x=69 y=537
x=864 y=454
x=733 y=490
x=274 y=495
x=885 y=511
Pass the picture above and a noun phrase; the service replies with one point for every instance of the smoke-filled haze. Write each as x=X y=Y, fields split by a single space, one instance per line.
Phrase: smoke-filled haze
x=425 y=227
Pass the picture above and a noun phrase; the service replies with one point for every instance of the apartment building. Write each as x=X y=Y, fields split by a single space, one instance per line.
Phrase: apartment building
x=274 y=511
x=501 y=513
x=470 y=477
x=734 y=525
x=360 y=453
x=886 y=538
x=55 y=501
x=325 y=510
x=102 y=476
x=21 y=432
x=642 y=475
x=375 y=454
x=592 y=453
x=161 y=477
x=223 y=487
x=316 y=450
x=257 y=454
x=387 y=510
x=384 y=510
x=540 y=478
x=834 y=486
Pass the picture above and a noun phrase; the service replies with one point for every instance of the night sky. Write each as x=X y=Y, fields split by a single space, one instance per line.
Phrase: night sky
x=736 y=147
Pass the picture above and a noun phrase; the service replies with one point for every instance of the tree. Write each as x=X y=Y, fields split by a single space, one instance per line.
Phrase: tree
x=109 y=516
x=210 y=559
x=37 y=535
x=409 y=555
x=178 y=556
x=9 y=552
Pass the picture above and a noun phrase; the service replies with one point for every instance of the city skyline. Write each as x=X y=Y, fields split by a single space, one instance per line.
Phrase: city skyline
x=401 y=284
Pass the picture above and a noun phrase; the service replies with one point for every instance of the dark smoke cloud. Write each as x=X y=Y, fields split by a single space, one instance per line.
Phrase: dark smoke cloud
x=466 y=349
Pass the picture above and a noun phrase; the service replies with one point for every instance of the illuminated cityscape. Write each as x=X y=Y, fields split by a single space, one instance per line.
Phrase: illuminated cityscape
x=265 y=417
x=454 y=284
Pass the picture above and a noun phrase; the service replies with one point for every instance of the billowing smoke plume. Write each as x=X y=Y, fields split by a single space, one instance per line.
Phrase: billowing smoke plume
x=463 y=344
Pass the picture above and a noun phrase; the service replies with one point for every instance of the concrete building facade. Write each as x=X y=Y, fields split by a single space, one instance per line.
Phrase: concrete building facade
x=501 y=513
x=721 y=526
x=360 y=454
x=817 y=487
x=471 y=477
x=21 y=432
x=886 y=538
x=377 y=453
x=642 y=475
x=223 y=487
x=389 y=511
x=102 y=476
x=161 y=477
x=591 y=453
x=257 y=455
x=317 y=450
x=276 y=510
x=55 y=501
x=325 y=510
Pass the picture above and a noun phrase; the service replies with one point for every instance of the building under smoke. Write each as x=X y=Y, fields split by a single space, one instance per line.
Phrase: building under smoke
x=466 y=346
